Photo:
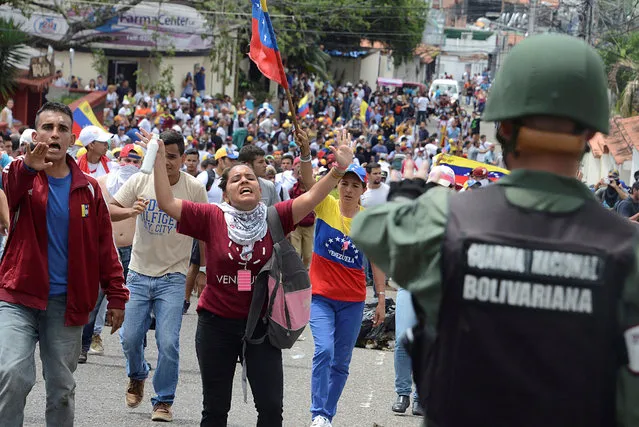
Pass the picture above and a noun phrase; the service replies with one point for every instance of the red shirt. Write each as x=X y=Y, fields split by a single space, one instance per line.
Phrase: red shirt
x=206 y=223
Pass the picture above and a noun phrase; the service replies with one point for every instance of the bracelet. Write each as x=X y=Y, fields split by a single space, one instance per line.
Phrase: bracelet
x=381 y=293
x=203 y=269
x=337 y=174
x=306 y=159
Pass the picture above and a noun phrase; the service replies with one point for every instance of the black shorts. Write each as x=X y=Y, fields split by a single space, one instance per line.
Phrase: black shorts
x=195 y=252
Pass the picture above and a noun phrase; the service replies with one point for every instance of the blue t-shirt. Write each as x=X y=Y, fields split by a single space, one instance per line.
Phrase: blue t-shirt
x=58 y=233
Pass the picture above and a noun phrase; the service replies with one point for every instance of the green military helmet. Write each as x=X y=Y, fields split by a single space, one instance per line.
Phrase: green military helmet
x=552 y=75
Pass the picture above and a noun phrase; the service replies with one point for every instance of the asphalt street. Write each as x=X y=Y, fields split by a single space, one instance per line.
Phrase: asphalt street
x=102 y=382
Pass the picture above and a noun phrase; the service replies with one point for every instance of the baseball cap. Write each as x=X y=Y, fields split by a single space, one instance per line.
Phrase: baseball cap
x=94 y=133
x=27 y=136
x=479 y=172
x=442 y=175
x=132 y=151
x=224 y=152
x=357 y=170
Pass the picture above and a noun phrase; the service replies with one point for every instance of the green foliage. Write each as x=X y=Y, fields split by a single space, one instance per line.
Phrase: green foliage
x=256 y=88
x=616 y=47
x=11 y=42
x=620 y=53
x=100 y=62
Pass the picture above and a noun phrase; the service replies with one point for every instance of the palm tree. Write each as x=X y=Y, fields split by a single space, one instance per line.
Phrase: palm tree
x=626 y=97
x=12 y=42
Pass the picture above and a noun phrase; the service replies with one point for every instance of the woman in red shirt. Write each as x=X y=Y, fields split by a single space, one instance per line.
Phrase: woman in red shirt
x=237 y=239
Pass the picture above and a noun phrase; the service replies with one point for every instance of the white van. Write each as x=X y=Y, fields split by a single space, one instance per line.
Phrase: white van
x=451 y=87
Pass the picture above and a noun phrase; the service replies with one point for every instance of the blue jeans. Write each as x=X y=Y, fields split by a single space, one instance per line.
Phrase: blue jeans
x=335 y=326
x=404 y=318
x=89 y=328
x=20 y=329
x=98 y=315
x=164 y=296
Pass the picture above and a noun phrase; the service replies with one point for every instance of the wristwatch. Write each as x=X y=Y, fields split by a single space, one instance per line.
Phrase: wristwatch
x=203 y=269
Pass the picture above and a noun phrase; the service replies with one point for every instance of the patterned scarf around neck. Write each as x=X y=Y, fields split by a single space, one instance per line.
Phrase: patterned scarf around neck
x=245 y=227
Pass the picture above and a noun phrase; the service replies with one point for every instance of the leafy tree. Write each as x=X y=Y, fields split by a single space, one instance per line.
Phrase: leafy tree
x=620 y=53
x=12 y=39
x=304 y=29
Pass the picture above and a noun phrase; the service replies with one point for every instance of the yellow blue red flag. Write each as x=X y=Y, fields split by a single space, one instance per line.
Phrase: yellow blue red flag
x=463 y=167
x=303 y=106
x=264 y=51
x=82 y=117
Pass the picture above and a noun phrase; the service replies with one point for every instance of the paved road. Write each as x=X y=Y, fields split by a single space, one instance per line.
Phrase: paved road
x=101 y=385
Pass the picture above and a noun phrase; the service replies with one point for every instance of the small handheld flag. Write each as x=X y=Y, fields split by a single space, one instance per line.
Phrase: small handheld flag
x=264 y=51
x=303 y=108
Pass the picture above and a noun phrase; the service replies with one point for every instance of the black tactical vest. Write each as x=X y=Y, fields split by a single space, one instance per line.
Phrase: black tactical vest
x=528 y=334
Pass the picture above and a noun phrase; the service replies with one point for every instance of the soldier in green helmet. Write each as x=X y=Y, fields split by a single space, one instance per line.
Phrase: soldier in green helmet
x=527 y=290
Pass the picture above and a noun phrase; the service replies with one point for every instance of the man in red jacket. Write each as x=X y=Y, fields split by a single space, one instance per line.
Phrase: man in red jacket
x=51 y=270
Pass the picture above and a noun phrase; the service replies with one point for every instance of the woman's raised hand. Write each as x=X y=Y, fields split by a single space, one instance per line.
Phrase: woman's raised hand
x=344 y=151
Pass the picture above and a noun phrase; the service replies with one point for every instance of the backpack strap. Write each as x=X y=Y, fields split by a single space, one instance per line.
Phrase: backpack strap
x=274 y=225
x=260 y=289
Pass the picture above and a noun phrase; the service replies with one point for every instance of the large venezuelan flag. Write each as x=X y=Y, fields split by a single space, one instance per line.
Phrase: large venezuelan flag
x=337 y=269
x=264 y=51
x=82 y=117
x=463 y=167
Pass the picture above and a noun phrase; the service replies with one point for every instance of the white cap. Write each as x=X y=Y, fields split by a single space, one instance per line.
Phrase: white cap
x=125 y=102
x=94 y=133
x=27 y=136
x=177 y=128
x=442 y=175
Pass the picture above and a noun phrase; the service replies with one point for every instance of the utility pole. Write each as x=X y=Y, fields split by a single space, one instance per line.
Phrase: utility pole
x=532 y=13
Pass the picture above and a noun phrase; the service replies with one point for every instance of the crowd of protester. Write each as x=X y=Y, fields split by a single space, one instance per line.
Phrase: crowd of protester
x=224 y=158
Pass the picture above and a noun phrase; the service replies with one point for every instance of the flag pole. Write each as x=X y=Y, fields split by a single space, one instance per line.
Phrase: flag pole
x=292 y=108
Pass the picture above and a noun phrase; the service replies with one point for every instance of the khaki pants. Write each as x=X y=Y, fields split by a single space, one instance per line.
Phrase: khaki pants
x=302 y=241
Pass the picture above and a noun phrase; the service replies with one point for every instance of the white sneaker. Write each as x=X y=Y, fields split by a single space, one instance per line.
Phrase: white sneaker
x=320 y=421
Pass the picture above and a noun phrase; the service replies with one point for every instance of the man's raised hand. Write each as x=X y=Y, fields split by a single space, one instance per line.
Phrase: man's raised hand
x=35 y=159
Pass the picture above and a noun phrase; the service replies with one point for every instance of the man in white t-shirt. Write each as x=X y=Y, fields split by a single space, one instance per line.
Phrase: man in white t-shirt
x=156 y=280
x=422 y=108
x=211 y=179
x=376 y=192
x=285 y=180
